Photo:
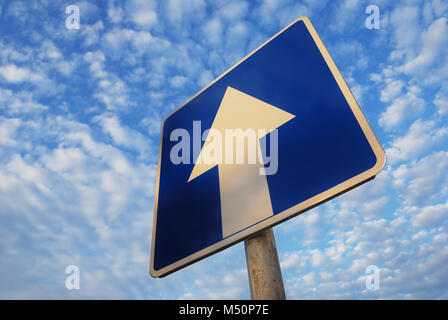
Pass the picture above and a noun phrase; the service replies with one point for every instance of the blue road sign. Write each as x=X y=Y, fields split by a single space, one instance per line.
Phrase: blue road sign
x=312 y=142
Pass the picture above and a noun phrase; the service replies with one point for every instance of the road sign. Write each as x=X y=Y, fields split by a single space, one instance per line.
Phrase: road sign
x=286 y=96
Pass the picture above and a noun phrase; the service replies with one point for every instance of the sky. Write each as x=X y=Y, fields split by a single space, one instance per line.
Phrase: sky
x=80 y=115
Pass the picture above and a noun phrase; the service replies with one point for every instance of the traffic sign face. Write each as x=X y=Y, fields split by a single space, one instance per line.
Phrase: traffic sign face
x=275 y=135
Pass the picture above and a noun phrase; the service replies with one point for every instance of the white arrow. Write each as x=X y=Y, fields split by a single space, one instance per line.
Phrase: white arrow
x=244 y=192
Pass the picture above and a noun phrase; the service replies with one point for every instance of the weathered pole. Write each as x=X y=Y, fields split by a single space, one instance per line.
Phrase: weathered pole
x=265 y=275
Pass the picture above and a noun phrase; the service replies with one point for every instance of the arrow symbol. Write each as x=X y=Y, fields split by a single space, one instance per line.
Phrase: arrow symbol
x=243 y=187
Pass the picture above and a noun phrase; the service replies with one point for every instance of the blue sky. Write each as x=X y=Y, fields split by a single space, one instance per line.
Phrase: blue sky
x=80 y=114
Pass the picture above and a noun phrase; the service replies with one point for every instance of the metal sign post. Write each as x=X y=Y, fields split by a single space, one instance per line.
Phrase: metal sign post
x=265 y=275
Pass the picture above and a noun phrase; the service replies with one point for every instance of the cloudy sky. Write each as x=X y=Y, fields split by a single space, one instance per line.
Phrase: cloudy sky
x=80 y=114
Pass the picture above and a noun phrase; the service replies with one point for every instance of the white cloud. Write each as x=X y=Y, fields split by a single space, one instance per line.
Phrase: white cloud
x=122 y=135
x=419 y=37
x=213 y=31
x=405 y=20
x=231 y=282
x=403 y=108
x=392 y=90
x=142 y=12
x=8 y=128
x=344 y=14
x=114 y=94
x=66 y=67
x=152 y=124
x=64 y=159
x=434 y=41
x=309 y=279
x=441 y=99
x=375 y=77
x=205 y=78
x=18 y=10
x=234 y=10
x=381 y=242
x=423 y=181
x=291 y=260
x=180 y=11
x=96 y=60
x=306 y=222
x=431 y=216
x=49 y=50
x=279 y=13
x=145 y=18
x=56 y=202
x=14 y=103
x=238 y=32
x=178 y=81
x=91 y=33
x=318 y=258
x=289 y=14
x=118 y=38
x=87 y=9
x=440 y=7
x=114 y=12
x=421 y=136
x=12 y=73
x=26 y=172
x=112 y=91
